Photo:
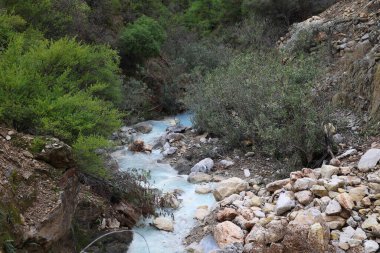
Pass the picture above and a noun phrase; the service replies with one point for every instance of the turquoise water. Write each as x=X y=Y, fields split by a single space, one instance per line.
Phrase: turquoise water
x=165 y=178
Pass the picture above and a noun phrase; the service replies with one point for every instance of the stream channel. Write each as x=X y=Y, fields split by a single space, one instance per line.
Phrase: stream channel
x=165 y=178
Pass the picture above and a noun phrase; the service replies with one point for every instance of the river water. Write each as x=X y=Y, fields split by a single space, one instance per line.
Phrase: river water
x=165 y=178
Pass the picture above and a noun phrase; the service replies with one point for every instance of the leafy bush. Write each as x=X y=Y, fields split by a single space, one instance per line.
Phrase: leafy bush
x=257 y=97
x=43 y=84
x=71 y=115
x=9 y=24
x=143 y=38
x=88 y=161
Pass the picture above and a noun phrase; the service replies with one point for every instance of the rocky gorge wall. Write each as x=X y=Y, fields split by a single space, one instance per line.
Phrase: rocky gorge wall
x=346 y=36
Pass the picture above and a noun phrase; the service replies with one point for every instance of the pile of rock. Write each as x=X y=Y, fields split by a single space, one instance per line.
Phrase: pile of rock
x=329 y=209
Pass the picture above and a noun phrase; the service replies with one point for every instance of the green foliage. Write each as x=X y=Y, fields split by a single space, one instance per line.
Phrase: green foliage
x=143 y=38
x=70 y=115
x=9 y=24
x=257 y=97
x=87 y=159
x=59 y=87
x=206 y=16
x=37 y=145
x=52 y=17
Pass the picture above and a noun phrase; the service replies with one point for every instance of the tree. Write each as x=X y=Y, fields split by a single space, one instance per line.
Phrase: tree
x=143 y=38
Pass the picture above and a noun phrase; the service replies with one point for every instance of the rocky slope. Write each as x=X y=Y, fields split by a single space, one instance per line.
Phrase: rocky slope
x=348 y=35
x=44 y=205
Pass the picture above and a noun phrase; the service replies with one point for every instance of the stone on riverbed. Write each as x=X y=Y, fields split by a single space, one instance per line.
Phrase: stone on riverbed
x=204 y=166
x=198 y=177
x=164 y=223
x=143 y=127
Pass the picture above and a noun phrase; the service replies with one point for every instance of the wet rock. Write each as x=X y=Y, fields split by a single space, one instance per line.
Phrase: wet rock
x=203 y=189
x=173 y=137
x=143 y=127
x=226 y=233
x=176 y=129
x=204 y=166
x=369 y=160
x=285 y=203
x=201 y=212
x=198 y=177
x=228 y=187
x=164 y=223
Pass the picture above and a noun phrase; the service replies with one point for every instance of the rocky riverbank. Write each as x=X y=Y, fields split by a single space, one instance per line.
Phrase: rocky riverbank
x=328 y=209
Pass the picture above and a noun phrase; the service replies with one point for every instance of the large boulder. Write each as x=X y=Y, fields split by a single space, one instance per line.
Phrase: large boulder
x=198 y=177
x=226 y=233
x=369 y=160
x=57 y=153
x=163 y=223
x=308 y=232
x=228 y=187
x=204 y=166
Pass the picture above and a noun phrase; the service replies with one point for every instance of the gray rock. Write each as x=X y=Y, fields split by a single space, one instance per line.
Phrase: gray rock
x=333 y=208
x=143 y=127
x=369 y=160
x=204 y=166
x=284 y=203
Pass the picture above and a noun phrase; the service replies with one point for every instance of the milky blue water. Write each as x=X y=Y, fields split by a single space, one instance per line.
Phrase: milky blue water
x=165 y=178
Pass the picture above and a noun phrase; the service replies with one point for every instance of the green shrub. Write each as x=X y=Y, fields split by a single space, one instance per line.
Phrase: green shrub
x=143 y=38
x=88 y=161
x=257 y=97
x=43 y=84
x=37 y=145
x=9 y=24
x=71 y=115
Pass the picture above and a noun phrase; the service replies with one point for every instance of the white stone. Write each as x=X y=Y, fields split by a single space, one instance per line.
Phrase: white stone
x=247 y=173
x=370 y=246
x=163 y=223
x=284 y=203
x=369 y=160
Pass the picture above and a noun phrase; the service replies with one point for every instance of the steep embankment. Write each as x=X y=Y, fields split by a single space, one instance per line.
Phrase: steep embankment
x=44 y=204
x=349 y=33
